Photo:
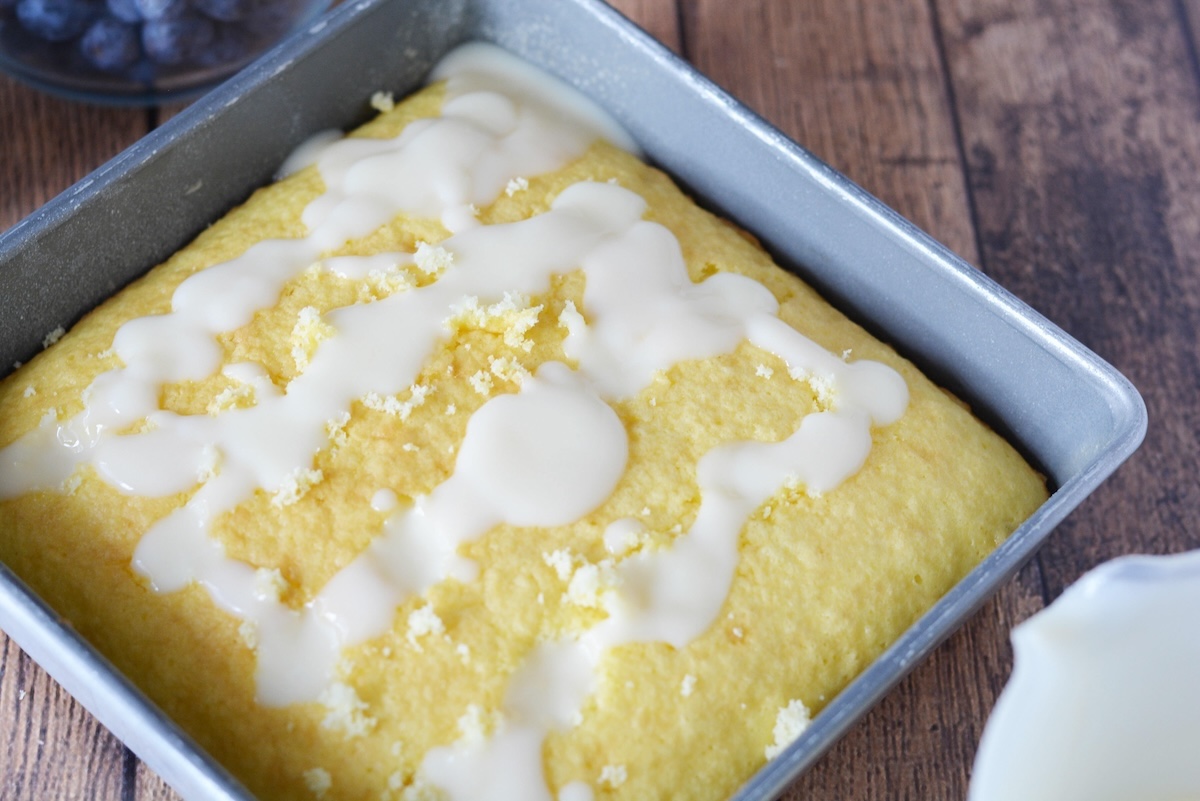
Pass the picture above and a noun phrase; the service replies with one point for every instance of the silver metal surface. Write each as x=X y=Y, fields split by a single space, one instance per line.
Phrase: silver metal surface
x=1070 y=413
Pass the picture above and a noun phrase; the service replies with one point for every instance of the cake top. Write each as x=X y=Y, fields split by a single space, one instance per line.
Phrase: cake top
x=546 y=455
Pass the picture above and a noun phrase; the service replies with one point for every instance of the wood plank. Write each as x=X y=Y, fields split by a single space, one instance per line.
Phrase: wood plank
x=659 y=18
x=50 y=747
x=863 y=85
x=1080 y=124
x=149 y=786
x=919 y=742
x=48 y=144
x=858 y=83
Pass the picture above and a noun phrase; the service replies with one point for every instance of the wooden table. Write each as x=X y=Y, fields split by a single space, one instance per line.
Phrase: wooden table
x=1054 y=143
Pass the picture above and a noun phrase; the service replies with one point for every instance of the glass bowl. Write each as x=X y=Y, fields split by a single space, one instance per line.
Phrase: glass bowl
x=140 y=52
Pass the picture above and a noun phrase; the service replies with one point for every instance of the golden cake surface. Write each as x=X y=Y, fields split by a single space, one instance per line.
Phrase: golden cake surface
x=823 y=581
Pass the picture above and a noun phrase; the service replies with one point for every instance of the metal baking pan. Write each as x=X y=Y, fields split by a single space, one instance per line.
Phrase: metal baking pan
x=1071 y=413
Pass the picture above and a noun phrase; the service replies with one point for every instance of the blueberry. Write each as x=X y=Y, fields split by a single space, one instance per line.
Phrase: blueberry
x=124 y=10
x=160 y=9
x=271 y=18
x=224 y=10
x=230 y=45
x=110 y=44
x=54 y=20
x=174 y=41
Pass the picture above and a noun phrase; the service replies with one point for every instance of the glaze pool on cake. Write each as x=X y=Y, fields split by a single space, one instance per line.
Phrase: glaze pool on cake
x=444 y=462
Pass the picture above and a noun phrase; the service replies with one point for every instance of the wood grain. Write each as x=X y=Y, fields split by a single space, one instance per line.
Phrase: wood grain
x=858 y=83
x=50 y=747
x=865 y=87
x=919 y=742
x=1051 y=142
x=659 y=18
x=48 y=144
x=1080 y=125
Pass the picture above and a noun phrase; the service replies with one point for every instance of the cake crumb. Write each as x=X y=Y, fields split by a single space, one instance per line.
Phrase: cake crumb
x=763 y=371
x=481 y=382
x=318 y=781
x=471 y=724
x=30 y=391
x=21 y=695
x=73 y=482
x=624 y=535
x=737 y=632
x=248 y=632
x=791 y=721
x=408 y=446
x=591 y=583
x=382 y=283
x=507 y=368
x=514 y=335
x=231 y=397
x=824 y=389
x=688 y=686
x=613 y=775
x=383 y=102
x=424 y=621
x=347 y=711
x=511 y=316
x=335 y=429
x=308 y=332
x=516 y=185
x=392 y=405
x=451 y=409
x=766 y=512
x=563 y=562
x=269 y=584
x=846 y=353
x=296 y=486
x=53 y=337
x=432 y=259
x=464 y=653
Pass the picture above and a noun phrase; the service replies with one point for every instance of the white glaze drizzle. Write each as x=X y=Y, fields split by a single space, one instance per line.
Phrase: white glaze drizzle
x=545 y=456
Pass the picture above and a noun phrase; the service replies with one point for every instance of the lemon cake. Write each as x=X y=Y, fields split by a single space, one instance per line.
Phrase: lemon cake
x=473 y=460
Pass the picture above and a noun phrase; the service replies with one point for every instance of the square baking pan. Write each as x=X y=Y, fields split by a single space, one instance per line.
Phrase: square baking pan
x=1069 y=412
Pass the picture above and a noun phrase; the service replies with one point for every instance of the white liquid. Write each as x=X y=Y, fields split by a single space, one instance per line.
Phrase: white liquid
x=1104 y=699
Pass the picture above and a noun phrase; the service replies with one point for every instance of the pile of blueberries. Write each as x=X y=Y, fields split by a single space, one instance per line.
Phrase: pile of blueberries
x=119 y=36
